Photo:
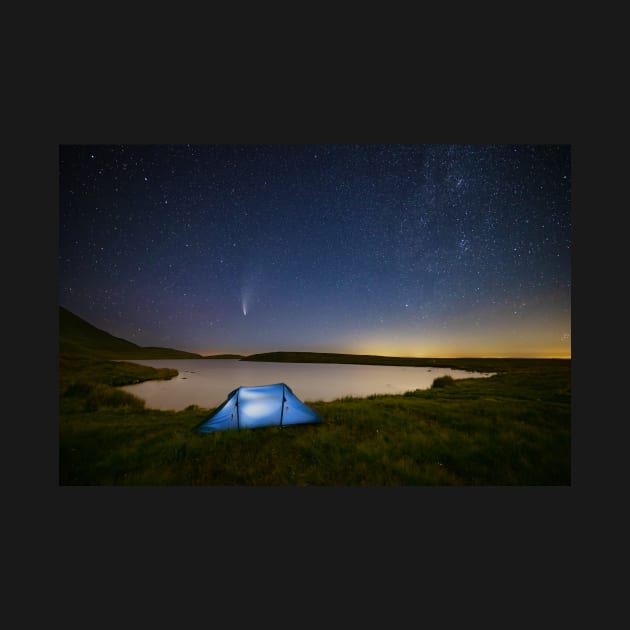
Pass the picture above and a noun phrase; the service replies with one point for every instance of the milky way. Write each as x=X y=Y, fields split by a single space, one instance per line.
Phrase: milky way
x=407 y=250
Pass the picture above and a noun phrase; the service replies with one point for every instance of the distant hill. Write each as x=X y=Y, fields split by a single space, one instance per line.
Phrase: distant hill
x=223 y=356
x=332 y=357
x=480 y=364
x=80 y=338
x=357 y=359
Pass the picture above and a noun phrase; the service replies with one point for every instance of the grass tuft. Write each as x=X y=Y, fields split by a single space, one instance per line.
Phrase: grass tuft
x=443 y=381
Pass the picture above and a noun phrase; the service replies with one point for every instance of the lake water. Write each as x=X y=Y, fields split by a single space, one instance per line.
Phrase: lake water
x=207 y=382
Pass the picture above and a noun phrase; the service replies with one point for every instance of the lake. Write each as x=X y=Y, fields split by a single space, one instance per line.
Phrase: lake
x=207 y=382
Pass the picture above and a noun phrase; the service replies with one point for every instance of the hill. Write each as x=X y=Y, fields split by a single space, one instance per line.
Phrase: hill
x=480 y=364
x=80 y=338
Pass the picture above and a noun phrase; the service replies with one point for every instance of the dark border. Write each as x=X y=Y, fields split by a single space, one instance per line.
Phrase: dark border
x=413 y=525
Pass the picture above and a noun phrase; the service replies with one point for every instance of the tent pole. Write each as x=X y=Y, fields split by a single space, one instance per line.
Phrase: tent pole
x=282 y=410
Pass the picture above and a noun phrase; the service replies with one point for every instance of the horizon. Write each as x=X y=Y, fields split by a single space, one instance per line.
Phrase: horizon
x=425 y=251
x=294 y=351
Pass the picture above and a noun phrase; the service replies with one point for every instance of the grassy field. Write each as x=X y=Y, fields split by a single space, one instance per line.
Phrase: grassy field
x=511 y=429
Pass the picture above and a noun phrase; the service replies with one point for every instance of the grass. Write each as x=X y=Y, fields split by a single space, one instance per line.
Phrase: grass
x=90 y=384
x=511 y=429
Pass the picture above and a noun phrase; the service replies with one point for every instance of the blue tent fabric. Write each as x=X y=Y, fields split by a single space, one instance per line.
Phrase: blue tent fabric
x=261 y=406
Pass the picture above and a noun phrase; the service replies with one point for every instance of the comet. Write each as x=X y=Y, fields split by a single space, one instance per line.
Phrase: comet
x=244 y=301
x=250 y=289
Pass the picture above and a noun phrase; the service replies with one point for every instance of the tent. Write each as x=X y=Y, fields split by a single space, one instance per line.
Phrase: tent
x=262 y=406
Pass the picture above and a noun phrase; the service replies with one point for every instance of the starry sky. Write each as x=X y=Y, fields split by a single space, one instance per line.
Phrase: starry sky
x=424 y=250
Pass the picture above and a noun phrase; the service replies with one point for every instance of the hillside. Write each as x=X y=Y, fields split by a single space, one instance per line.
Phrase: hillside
x=80 y=338
x=465 y=363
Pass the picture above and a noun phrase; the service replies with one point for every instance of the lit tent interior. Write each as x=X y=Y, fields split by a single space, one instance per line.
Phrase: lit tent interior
x=261 y=406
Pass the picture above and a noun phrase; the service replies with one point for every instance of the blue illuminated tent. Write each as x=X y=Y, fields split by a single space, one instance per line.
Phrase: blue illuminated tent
x=263 y=406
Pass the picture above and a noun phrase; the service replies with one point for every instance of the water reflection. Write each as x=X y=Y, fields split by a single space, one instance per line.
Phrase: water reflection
x=206 y=383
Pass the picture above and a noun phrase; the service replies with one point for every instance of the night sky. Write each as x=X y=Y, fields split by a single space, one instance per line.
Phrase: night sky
x=402 y=250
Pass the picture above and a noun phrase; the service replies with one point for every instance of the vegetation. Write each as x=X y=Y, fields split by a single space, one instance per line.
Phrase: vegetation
x=443 y=381
x=510 y=429
x=513 y=428
x=90 y=384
